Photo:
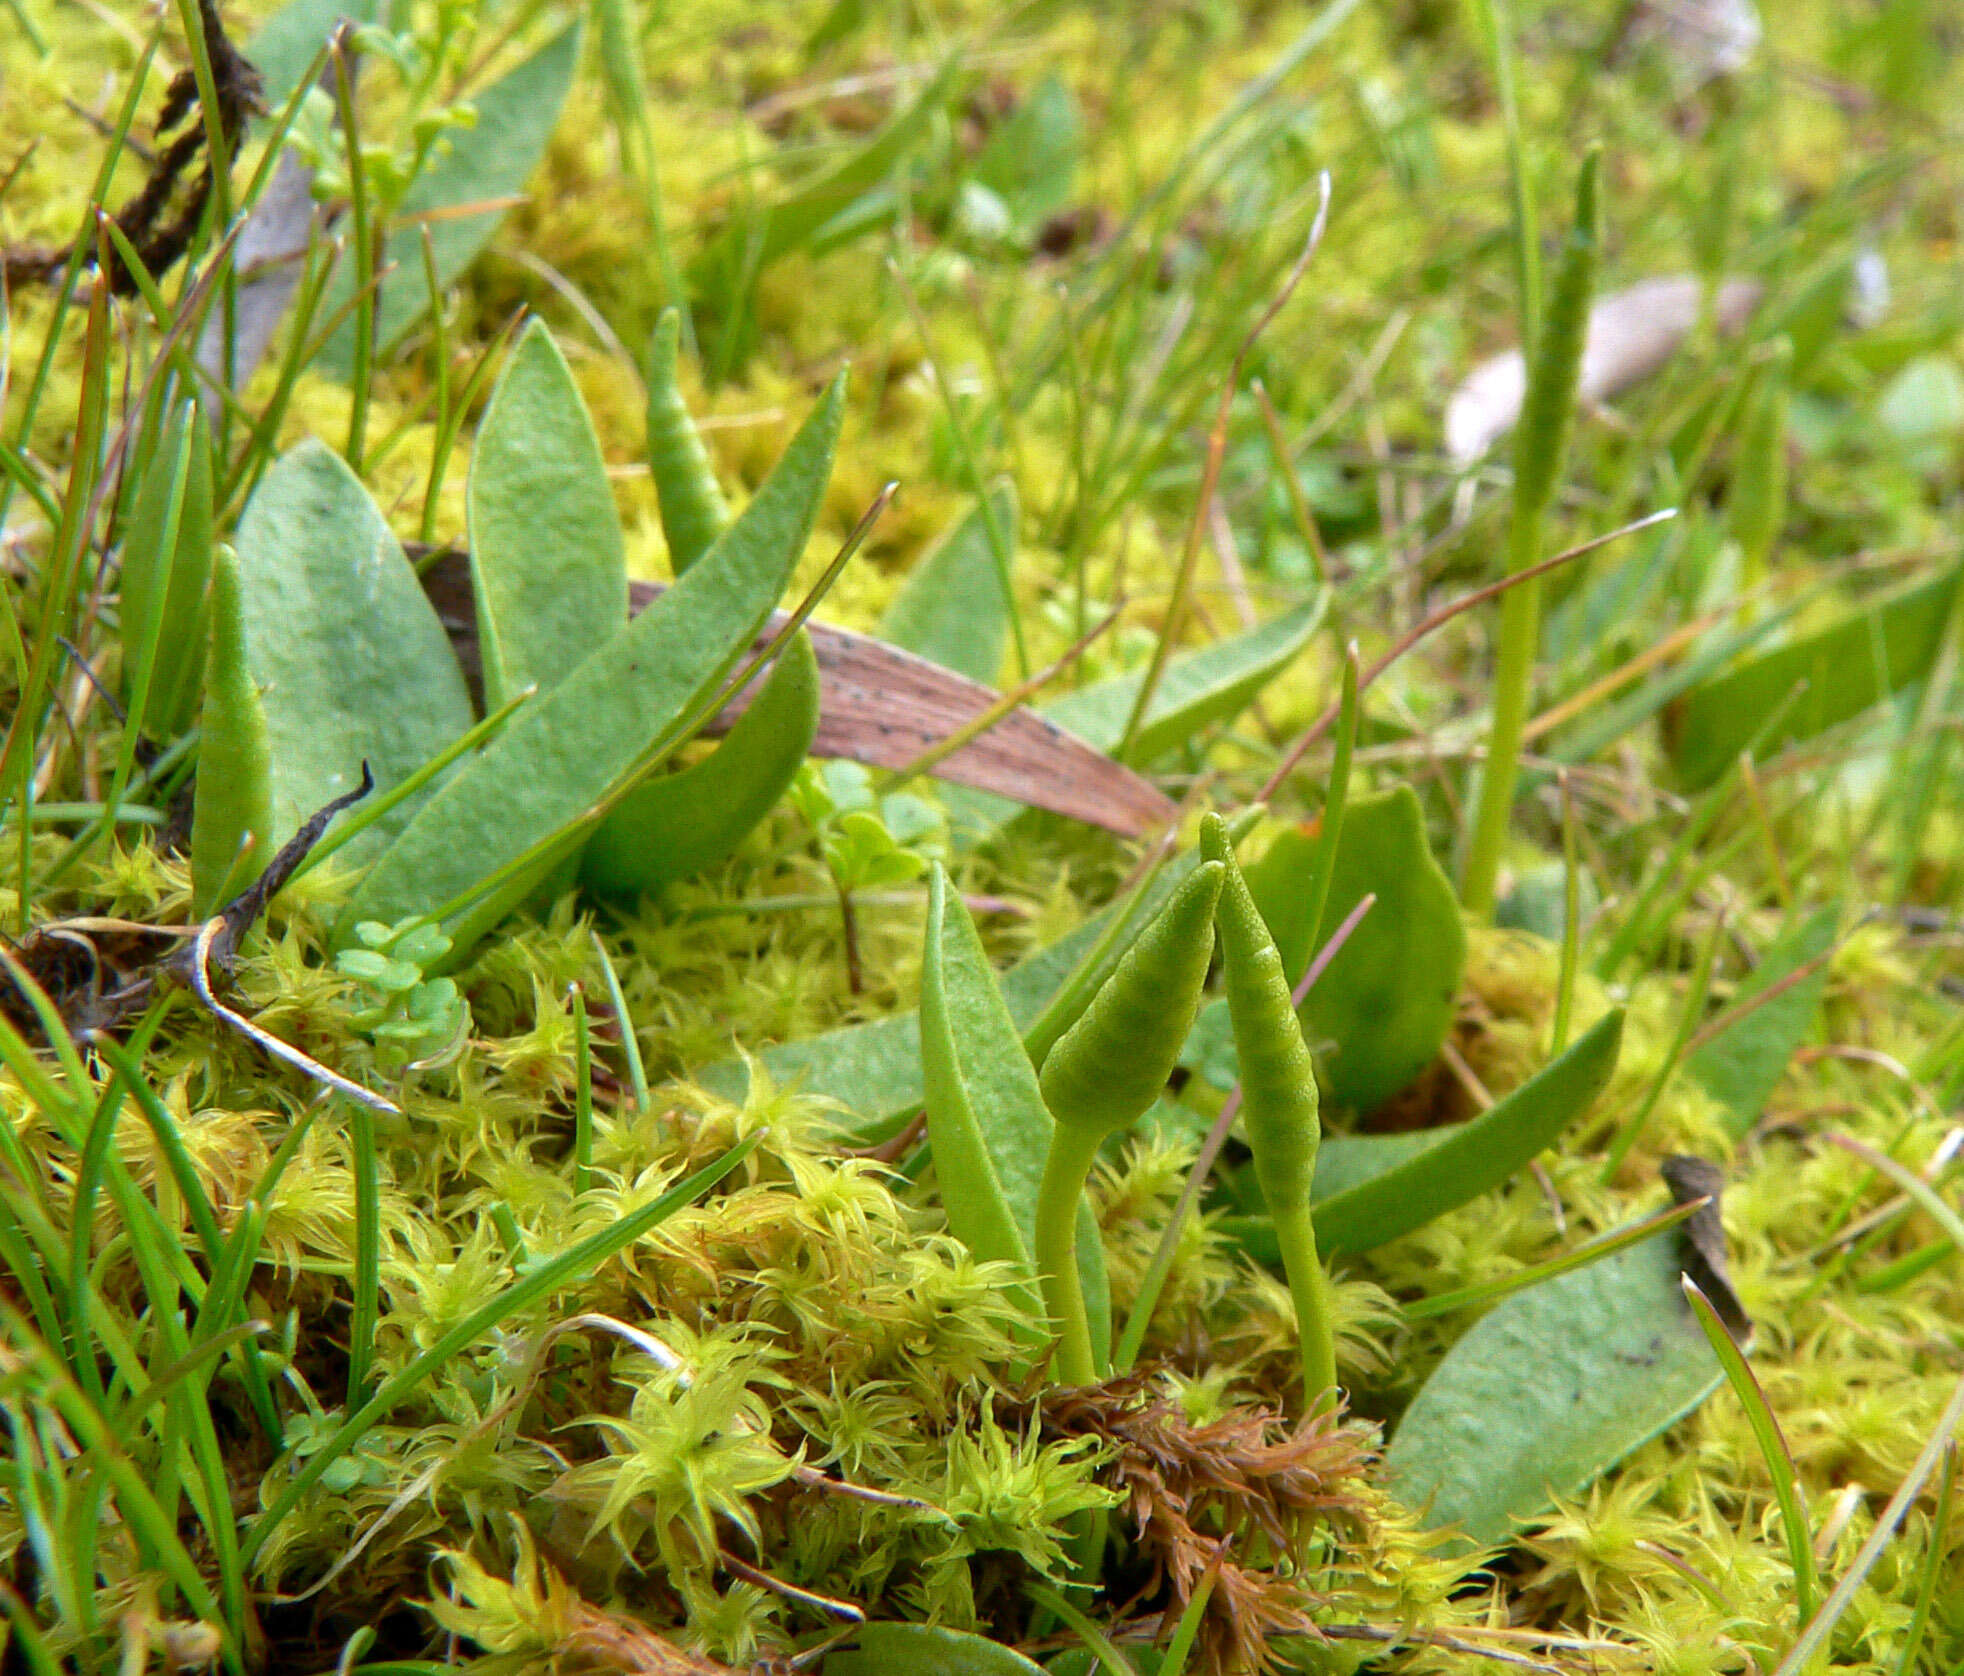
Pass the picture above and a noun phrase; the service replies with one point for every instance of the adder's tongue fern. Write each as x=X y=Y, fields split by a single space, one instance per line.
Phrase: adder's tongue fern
x=1103 y=1074
x=1540 y=452
x=693 y=511
x=1278 y=1103
x=232 y=808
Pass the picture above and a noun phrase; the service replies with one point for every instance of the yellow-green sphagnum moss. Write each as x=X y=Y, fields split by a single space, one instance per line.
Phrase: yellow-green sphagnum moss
x=800 y=1396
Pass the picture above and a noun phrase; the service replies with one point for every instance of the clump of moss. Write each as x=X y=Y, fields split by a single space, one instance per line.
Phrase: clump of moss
x=802 y=1390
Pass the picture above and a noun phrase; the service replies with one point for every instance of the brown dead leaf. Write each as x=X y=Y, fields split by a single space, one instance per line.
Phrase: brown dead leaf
x=885 y=708
x=1701 y=1240
x=601 y=1641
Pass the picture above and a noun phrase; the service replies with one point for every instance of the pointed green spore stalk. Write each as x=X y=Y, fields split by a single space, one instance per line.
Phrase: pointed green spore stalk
x=693 y=511
x=1278 y=1105
x=1103 y=1075
x=232 y=807
x=1758 y=503
x=1540 y=450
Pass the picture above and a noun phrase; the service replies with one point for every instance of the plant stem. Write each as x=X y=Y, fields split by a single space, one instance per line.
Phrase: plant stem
x=1309 y=1290
x=582 y=1093
x=1497 y=24
x=365 y=255
x=368 y=1252
x=1210 y=478
x=1072 y=1149
x=1513 y=691
x=1161 y=1265
x=849 y=930
x=1571 y=931
x=1174 y=1661
x=1554 y=352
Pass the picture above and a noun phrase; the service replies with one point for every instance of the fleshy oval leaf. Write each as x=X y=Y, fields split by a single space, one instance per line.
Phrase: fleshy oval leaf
x=1548 y=1390
x=1465 y=1160
x=1741 y=1066
x=351 y=662
x=522 y=805
x=986 y=1120
x=925 y=1650
x=951 y=609
x=548 y=565
x=1848 y=667
x=486 y=163
x=1386 y=1001
x=674 y=826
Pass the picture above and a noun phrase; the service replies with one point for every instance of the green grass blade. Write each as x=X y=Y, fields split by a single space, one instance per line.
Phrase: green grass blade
x=1477 y=1297
x=88 y=1179
x=1198 y=688
x=1688 y=1020
x=231 y=1274
x=18 y=1254
x=367 y=1311
x=1110 y=1659
x=194 y=1365
x=133 y=1496
x=583 y=1092
x=127 y=1059
x=1928 y=1199
x=637 y=1075
x=1474 y=1156
x=1667 y=884
x=114 y=152
x=1571 y=923
x=1772 y=1447
x=66 y=1109
x=1933 y=1565
x=1801 y=1656
x=35 y=1652
x=1336 y=798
